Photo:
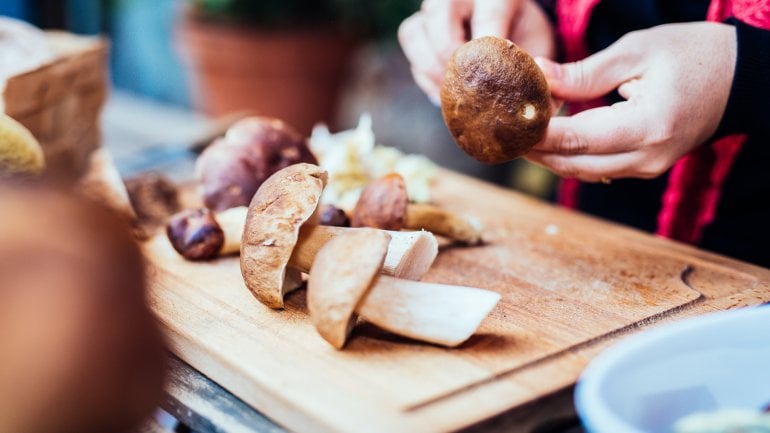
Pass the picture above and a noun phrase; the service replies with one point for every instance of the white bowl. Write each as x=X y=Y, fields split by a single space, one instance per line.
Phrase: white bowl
x=648 y=381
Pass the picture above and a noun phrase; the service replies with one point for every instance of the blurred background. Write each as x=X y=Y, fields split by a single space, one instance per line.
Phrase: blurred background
x=178 y=64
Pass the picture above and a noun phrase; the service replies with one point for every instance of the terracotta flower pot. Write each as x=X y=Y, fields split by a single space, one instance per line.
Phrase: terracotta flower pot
x=293 y=74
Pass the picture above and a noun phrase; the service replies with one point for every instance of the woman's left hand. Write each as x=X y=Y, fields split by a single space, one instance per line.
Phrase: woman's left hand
x=675 y=80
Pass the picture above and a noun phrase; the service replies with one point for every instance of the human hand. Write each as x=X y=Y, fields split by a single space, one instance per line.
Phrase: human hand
x=431 y=35
x=675 y=80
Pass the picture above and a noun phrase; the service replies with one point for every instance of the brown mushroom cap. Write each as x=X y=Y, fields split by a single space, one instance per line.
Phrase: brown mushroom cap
x=382 y=204
x=282 y=204
x=342 y=274
x=232 y=168
x=495 y=100
x=195 y=234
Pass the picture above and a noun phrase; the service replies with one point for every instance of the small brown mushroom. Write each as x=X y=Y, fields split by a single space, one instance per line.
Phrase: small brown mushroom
x=333 y=216
x=277 y=244
x=154 y=199
x=384 y=204
x=343 y=285
x=201 y=234
x=232 y=168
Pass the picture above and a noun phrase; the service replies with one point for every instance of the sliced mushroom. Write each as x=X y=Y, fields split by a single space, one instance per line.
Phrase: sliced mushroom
x=384 y=204
x=277 y=244
x=345 y=282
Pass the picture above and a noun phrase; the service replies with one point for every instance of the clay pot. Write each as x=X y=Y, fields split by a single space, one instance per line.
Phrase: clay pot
x=290 y=73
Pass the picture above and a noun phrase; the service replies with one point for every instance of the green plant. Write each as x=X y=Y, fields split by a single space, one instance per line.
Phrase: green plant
x=368 y=18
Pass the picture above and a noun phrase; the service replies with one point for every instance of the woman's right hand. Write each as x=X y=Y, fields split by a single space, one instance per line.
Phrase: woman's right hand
x=431 y=35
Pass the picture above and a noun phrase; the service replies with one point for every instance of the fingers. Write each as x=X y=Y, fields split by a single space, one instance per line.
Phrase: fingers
x=592 y=77
x=621 y=127
x=492 y=17
x=429 y=37
x=599 y=168
x=427 y=69
x=623 y=140
x=444 y=25
x=431 y=88
x=531 y=30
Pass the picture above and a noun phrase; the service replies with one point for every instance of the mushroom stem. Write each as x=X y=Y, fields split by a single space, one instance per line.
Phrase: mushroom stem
x=232 y=222
x=199 y=234
x=384 y=204
x=409 y=256
x=437 y=313
x=442 y=222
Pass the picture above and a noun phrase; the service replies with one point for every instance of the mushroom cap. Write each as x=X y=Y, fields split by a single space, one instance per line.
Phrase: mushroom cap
x=232 y=168
x=282 y=204
x=382 y=204
x=195 y=234
x=495 y=100
x=342 y=274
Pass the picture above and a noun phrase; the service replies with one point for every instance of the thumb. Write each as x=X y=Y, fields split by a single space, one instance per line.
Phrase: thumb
x=590 y=78
x=492 y=18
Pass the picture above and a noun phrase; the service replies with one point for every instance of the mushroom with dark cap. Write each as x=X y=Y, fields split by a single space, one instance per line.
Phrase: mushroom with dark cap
x=280 y=239
x=345 y=282
x=201 y=234
x=384 y=204
x=232 y=168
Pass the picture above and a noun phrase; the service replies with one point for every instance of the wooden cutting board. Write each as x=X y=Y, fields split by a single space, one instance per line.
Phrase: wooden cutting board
x=570 y=286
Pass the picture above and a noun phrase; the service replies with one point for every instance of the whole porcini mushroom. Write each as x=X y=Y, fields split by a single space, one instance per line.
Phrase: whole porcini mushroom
x=345 y=282
x=202 y=234
x=495 y=100
x=384 y=204
x=232 y=168
x=281 y=239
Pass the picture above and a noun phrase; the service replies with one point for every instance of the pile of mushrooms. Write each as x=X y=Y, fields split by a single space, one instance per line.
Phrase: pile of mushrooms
x=281 y=240
x=281 y=237
x=353 y=271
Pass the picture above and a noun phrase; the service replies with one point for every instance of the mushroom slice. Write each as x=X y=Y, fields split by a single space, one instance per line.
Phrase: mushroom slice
x=279 y=208
x=340 y=281
x=345 y=282
x=437 y=313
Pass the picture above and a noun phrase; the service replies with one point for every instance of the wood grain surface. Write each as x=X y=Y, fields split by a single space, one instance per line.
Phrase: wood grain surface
x=570 y=285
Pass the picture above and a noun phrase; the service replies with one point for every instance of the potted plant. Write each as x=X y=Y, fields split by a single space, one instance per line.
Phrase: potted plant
x=283 y=58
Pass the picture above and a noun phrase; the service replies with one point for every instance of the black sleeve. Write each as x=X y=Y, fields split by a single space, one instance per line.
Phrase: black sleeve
x=748 y=108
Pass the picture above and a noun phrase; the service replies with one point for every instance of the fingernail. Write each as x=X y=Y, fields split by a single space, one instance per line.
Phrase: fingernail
x=435 y=100
x=549 y=68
